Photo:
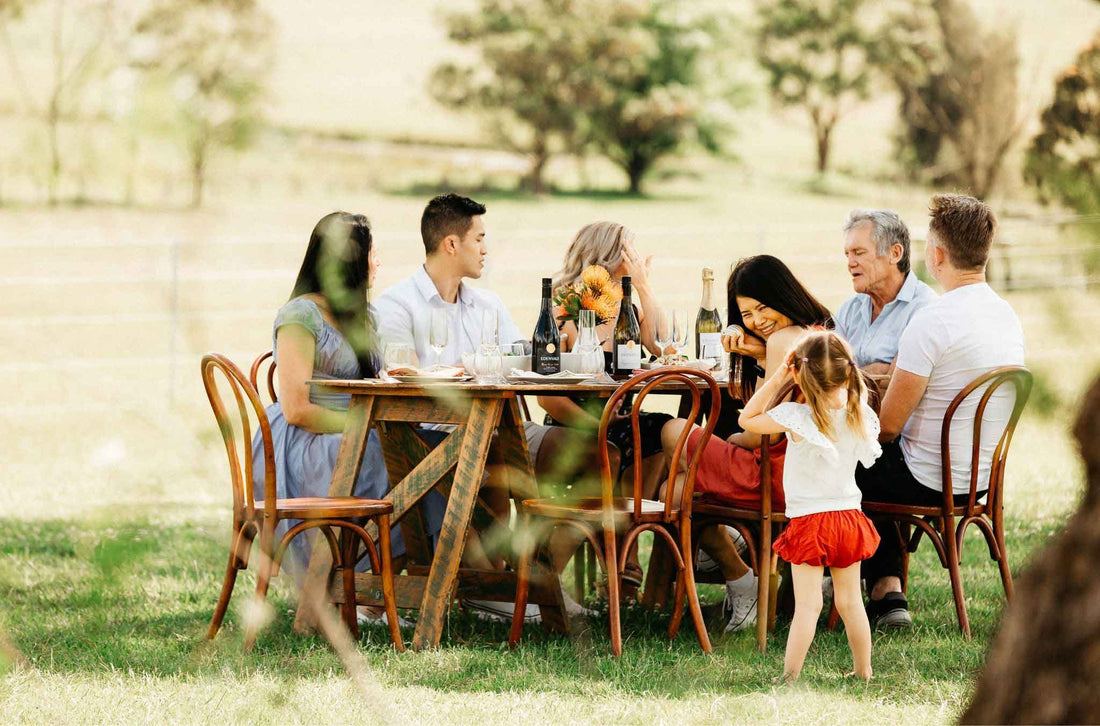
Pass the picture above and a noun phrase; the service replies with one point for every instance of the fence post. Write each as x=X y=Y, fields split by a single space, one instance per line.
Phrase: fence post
x=174 y=307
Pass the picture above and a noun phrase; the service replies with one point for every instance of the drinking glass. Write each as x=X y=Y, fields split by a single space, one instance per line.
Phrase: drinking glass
x=399 y=355
x=680 y=332
x=439 y=332
x=490 y=327
x=663 y=333
x=489 y=364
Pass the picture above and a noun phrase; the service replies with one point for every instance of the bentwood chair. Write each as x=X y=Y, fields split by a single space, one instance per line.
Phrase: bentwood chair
x=939 y=522
x=612 y=523
x=759 y=527
x=252 y=518
x=254 y=374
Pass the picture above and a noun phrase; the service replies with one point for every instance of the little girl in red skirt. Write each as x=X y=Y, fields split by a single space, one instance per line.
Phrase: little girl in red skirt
x=828 y=434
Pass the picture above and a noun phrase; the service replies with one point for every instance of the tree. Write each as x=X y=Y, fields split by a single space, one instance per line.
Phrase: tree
x=816 y=54
x=528 y=81
x=649 y=69
x=1063 y=161
x=215 y=54
x=562 y=75
x=80 y=43
x=959 y=93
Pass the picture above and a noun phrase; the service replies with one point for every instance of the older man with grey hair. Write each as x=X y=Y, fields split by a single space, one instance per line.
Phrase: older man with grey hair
x=876 y=243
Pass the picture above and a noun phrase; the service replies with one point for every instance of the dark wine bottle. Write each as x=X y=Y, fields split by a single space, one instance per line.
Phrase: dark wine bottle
x=546 y=342
x=708 y=324
x=627 y=351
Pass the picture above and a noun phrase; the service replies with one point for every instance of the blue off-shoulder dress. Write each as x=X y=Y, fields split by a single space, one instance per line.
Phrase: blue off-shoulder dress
x=304 y=460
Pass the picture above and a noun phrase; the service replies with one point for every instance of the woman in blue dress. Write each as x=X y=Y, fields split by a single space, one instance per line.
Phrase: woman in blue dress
x=325 y=330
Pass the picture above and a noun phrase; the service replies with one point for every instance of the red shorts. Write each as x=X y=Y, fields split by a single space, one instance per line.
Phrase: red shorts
x=731 y=475
x=828 y=539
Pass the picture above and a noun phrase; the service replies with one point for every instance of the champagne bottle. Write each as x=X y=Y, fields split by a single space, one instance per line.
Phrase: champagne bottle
x=627 y=354
x=708 y=324
x=546 y=342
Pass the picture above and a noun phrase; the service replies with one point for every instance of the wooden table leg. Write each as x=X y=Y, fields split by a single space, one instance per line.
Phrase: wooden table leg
x=513 y=453
x=349 y=460
x=443 y=577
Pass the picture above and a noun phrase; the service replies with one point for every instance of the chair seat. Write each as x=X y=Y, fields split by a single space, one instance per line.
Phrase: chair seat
x=328 y=507
x=721 y=511
x=934 y=511
x=590 y=509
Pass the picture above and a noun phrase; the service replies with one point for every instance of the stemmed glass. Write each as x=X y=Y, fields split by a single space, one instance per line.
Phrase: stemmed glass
x=679 y=331
x=439 y=332
x=663 y=334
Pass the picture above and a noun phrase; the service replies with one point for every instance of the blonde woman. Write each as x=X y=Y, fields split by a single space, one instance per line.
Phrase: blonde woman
x=567 y=449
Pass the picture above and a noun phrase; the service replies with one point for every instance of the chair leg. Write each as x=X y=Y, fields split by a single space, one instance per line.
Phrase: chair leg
x=578 y=571
x=951 y=548
x=348 y=540
x=389 y=593
x=523 y=580
x=688 y=577
x=763 y=577
x=611 y=567
x=263 y=578
x=677 y=603
x=1002 y=560
x=773 y=591
x=223 y=598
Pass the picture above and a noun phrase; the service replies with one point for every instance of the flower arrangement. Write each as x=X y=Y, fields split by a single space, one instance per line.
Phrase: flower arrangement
x=595 y=291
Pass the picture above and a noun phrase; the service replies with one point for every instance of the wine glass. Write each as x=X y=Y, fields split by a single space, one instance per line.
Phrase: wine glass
x=490 y=327
x=439 y=332
x=680 y=332
x=489 y=364
x=663 y=333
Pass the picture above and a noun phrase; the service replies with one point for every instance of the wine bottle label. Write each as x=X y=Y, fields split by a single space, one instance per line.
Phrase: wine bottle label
x=710 y=345
x=547 y=360
x=630 y=356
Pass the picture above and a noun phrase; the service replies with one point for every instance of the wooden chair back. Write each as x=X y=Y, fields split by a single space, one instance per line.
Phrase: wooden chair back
x=238 y=443
x=254 y=374
x=695 y=379
x=985 y=386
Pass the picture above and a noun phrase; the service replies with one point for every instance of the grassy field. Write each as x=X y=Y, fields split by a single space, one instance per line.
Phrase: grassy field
x=114 y=504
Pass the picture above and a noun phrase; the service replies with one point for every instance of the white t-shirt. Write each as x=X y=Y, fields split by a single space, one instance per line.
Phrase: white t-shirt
x=819 y=474
x=951 y=341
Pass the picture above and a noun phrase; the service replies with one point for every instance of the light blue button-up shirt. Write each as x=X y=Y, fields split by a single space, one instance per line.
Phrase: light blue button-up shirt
x=877 y=342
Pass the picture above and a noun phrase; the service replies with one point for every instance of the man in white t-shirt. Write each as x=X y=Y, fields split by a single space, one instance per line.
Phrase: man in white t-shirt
x=967 y=331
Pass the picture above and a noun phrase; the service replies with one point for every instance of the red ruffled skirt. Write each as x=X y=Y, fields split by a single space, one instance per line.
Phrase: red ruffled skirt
x=828 y=539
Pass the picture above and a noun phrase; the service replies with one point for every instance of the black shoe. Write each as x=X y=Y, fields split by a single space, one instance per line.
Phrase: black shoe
x=892 y=611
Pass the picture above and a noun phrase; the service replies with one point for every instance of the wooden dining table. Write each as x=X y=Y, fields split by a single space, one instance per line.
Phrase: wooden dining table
x=487 y=429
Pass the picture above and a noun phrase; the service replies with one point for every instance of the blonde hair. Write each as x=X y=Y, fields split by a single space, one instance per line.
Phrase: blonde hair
x=823 y=363
x=598 y=243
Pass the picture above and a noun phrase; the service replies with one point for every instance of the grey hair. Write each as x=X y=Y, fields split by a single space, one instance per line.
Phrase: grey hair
x=887 y=230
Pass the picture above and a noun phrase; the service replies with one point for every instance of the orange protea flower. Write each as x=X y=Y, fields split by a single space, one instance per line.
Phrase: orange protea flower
x=595 y=277
x=560 y=313
x=606 y=308
x=589 y=300
x=614 y=293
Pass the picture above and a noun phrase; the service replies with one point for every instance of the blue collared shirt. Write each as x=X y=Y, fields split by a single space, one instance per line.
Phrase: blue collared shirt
x=877 y=342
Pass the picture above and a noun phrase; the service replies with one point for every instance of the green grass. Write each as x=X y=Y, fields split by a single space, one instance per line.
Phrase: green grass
x=110 y=614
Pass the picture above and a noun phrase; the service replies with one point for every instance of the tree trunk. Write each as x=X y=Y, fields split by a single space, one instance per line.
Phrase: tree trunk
x=823 y=132
x=1042 y=667
x=198 y=173
x=534 y=175
x=636 y=169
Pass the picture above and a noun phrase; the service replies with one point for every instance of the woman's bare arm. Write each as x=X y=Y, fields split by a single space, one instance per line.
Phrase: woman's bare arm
x=294 y=366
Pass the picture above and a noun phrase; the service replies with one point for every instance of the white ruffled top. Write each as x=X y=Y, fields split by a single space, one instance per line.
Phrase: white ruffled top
x=819 y=474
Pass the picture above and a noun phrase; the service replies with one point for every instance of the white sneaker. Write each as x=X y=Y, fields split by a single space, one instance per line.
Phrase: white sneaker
x=741 y=607
x=705 y=563
x=573 y=608
x=367 y=618
x=500 y=612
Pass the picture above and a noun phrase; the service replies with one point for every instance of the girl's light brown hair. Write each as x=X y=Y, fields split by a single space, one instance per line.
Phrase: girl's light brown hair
x=823 y=363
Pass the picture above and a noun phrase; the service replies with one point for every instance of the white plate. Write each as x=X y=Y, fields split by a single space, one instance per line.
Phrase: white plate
x=431 y=379
x=702 y=364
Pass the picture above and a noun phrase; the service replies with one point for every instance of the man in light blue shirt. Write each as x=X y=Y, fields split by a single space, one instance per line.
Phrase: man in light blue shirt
x=876 y=243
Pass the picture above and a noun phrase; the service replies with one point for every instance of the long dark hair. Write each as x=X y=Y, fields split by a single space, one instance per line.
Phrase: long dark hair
x=337 y=267
x=767 y=279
